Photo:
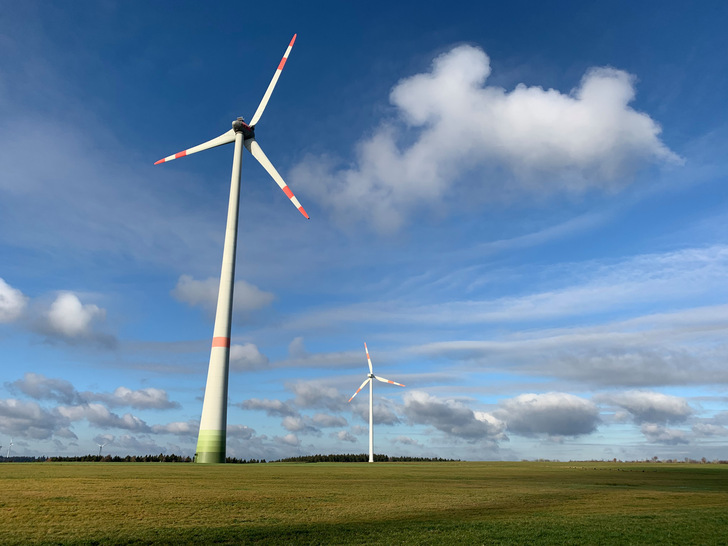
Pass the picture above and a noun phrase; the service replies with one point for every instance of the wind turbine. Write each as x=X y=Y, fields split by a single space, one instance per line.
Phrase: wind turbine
x=9 y=446
x=369 y=378
x=213 y=423
x=100 y=446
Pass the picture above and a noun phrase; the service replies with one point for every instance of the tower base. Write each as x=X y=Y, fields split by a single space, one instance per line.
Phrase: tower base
x=210 y=447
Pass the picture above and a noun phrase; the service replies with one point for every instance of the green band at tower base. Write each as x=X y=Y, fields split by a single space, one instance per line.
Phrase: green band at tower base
x=210 y=447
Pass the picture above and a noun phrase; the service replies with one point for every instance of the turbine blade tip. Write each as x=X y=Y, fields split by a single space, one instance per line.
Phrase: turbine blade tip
x=293 y=40
x=158 y=162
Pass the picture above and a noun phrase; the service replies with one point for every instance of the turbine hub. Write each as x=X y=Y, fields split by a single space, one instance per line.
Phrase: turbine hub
x=371 y=376
x=239 y=126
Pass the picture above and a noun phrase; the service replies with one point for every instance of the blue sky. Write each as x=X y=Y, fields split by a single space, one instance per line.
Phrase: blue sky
x=521 y=209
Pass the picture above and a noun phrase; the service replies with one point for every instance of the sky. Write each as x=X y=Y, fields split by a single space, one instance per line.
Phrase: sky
x=520 y=207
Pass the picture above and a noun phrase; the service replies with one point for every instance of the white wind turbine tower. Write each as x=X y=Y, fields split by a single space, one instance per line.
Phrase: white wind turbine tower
x=213 y=423
x=369 y=378
x=9 y=446
x=100 y=446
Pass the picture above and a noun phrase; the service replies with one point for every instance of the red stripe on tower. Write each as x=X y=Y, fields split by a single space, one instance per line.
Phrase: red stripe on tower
x=221 y=342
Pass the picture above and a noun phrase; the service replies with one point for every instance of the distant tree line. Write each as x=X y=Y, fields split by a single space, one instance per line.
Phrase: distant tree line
x=333 y=458
x=359 y=458
x=161 y=458
x=235 y=460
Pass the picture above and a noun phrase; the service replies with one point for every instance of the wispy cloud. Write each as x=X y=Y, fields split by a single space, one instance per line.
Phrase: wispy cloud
x=591 y=288
x=40 y=387
x=246 y=297
x=685 y=347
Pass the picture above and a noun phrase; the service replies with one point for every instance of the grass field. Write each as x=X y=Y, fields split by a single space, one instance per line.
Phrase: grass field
x=357 y=503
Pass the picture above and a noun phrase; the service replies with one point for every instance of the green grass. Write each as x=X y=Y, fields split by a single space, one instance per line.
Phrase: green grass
x=359 y=503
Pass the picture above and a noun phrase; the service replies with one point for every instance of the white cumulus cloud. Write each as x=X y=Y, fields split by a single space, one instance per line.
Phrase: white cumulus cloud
x=288 y=440
x=148 y=398
x=271 y=407
x=650 y=407
x=41 y=387
x=20 y=417
x=247 y=357
x=178 y=428
x=552 y=414
x=69 y=317
x=343 y=436
x=657 y=434
x=99 y=415
x=12 y=302
x=452 y=417
x=452 y=123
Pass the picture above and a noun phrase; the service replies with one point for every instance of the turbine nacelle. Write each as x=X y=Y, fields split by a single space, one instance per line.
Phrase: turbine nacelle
x=239 y=126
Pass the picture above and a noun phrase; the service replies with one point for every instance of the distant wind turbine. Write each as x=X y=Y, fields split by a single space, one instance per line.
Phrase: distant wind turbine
x=213 y=423
x=100 y=446
x=369 y=378
x=11 y=445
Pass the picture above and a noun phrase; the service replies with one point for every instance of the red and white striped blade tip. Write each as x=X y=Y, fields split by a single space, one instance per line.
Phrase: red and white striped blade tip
x=254 y=148
x=384 y=380
x=171 y=157
x=359 y=389
x=369 y=360
x=224 y=138
x=266 y=97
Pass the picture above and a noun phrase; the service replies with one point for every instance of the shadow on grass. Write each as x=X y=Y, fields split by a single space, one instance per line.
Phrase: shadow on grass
x=709 y=527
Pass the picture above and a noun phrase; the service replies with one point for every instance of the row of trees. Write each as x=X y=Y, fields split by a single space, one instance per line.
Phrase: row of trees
x=358 y=458
x=162 y=458
x=333 y=458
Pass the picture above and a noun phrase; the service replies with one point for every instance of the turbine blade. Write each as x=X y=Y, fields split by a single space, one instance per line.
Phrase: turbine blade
x=217 y=141
x=367 y=380
x=387 y=381
x=266 y=97
x=369 y=360
x=255 y=149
